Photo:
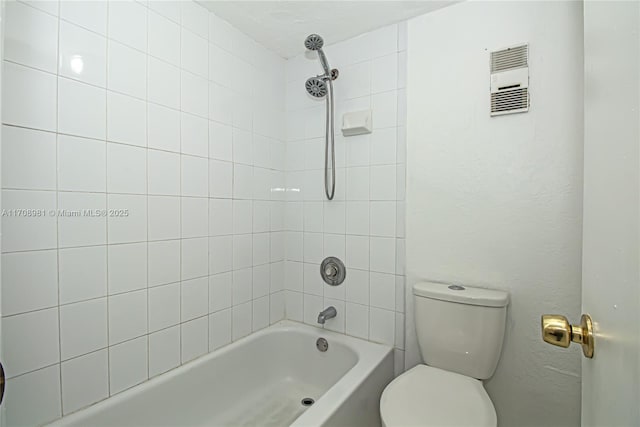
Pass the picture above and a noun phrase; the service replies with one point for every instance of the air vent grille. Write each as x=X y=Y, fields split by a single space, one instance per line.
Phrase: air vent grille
x=510 y=101
x=510 y=58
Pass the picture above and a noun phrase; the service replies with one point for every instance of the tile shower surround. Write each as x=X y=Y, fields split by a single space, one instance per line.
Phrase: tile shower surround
x=206 y=156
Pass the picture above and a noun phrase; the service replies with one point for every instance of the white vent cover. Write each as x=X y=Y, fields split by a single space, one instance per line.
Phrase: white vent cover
x=510 y=80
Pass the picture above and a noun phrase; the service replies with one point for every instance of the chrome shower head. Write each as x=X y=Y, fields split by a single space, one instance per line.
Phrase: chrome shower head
x=316 y=87
x=313 y=42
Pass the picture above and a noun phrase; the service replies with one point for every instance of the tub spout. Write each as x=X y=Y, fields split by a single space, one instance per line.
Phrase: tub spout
x=327 y=313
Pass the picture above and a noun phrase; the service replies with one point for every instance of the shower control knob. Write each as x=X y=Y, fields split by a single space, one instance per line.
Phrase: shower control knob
x=333 y=271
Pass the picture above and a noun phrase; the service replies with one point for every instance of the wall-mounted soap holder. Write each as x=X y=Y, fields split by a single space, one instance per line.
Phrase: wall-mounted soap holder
x=357 y=123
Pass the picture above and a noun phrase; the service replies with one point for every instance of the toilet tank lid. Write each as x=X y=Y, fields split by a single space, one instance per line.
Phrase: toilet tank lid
x=461 y=294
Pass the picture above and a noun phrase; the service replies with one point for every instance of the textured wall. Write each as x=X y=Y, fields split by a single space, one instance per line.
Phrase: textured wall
x=496 y=202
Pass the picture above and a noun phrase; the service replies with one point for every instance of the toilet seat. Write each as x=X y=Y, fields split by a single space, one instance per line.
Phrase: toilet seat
x=427 y=396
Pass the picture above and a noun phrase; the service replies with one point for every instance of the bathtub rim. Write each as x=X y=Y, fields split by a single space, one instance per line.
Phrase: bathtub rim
x=369 y=356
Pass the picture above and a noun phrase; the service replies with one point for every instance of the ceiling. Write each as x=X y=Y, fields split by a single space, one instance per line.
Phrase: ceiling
x=282 y=26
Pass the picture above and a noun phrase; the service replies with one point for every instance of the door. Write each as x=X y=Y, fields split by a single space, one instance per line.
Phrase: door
x=611 y=227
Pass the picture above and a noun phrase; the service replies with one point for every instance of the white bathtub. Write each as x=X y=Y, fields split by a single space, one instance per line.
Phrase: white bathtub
x=259 y=380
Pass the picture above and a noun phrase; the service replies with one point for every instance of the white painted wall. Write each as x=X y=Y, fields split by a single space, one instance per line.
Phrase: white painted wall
x=496 y=202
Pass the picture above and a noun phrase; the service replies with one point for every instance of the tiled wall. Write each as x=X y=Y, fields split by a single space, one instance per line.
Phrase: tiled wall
x=364 y=224
x=164 y=114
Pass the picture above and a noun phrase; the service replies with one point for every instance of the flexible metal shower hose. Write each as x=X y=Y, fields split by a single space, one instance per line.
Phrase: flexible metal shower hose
x=329 y=137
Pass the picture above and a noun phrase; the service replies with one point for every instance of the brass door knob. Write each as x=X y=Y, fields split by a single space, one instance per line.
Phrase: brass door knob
x=557 y=330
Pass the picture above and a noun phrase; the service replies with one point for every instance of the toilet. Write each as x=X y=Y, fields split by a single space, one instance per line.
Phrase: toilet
x=460 y=331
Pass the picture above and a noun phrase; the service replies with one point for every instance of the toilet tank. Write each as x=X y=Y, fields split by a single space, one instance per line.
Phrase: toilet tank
x=460 y=328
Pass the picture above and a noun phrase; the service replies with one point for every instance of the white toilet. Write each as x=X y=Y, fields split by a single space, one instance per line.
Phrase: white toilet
x=460 y=332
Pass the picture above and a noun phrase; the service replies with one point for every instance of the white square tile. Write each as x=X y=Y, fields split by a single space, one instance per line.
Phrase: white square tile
x=29 y=97
x=164 y=350
x=383 y=146
x=128 y=23
x=194 y=94
x=126 y=169
x=81 y=109
x=385 y=73
x=220 y=254
x=127 y=267
x=313 y=216
x=276 y=212
x=383 y=182
x=313 y=283
x=383 y=291
x=335 y=245
x=28 y=159
x=131 y=225
x=194 y=53
x=220 y=217
x=242 y=286
x=241 y=321
x=168 y=9
x=294 y=305
x=220 y=98
x=83 y=273
x=127 y=70
x=277 y=247
x=164 y=38
x=242 y=111
x=34 y=398
x=164 y=306
x=261 y=216
x=261 y=242
x=220 y=141
x=126 y=119
x=313 y=305
x=382 y=326
x=194 y=298
x=357 y=323
x=83 y=327
x=85 y=380
x=242 y=214
x=83 y=55
x=195 y=338
x=219 y=329
x=276 y=307
x=30 y=37
x=242 y=182
x=194 y=135
x=220 y=179
x=294 y=246
x=357 y=218
x=79 y=230
x=195 y=179
x=383 y=219
x=91 y=15
x=220 y=291
x=82 y=164
x=127 y=316
x=260 y=315
x=313 y=247
x=241 y=79
x=357 y=184
x=28 y=233
x=195 y=254
x=164 y=217
x=294 y=276
x=221 y=32
x=334 y=217
x=357 y=286
x=385 y=109
x=195 y=18
x=128 y=364
x=221 y=65
x=164 y=173
x=194 y=217
x=163 y=131
x=242 y=251
x=40 y=350
x=164 y=262
x=383 y=254
x=163 y=82
x=358 y=252
x=29 y=281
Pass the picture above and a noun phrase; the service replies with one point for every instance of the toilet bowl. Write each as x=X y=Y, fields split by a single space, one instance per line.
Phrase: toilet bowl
x=460 y=332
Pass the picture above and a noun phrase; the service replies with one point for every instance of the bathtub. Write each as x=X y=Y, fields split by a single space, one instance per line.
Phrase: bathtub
x=259 y=380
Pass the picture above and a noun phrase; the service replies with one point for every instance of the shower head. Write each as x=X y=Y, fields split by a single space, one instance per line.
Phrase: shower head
x=316 y=87
x=315 y=42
